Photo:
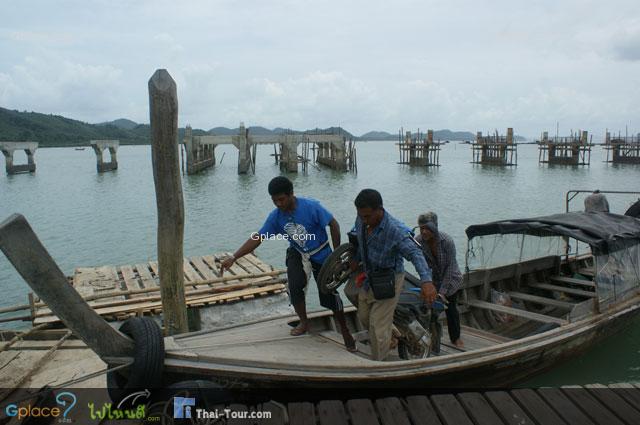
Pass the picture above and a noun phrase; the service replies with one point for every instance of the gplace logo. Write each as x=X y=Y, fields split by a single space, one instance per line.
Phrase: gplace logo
x=65 y=399
x=182 y=407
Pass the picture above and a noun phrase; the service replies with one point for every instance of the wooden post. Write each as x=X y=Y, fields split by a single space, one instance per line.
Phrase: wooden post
x=31 y=259
x=163 y=111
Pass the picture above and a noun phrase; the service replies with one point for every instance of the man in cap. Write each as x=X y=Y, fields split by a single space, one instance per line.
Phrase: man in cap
x=440 y=252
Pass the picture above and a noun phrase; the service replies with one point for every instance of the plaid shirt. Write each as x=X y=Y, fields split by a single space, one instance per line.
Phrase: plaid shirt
x=388 y=243
x=446 y=273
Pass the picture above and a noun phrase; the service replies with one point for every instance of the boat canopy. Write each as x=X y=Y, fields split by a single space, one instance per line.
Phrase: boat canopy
x=604 y=232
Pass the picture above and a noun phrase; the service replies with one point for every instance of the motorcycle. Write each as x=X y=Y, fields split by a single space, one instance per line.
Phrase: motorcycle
x=417 y=323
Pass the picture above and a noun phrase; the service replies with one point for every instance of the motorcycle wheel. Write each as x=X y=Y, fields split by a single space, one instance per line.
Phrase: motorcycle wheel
x=336 y=269
x=405 y=354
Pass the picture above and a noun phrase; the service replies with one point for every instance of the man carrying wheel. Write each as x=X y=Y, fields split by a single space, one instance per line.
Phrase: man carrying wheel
x=303 y=222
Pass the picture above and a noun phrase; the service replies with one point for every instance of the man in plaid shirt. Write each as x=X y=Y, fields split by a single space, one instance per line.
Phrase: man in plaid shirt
x=440 y=252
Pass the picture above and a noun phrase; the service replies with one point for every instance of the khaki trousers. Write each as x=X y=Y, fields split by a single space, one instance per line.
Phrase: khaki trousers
x=377 y=317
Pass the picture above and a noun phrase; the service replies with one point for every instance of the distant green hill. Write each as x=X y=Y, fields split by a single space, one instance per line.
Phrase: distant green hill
x=54 y=130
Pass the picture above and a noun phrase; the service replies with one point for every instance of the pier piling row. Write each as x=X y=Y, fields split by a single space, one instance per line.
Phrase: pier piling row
x=99 y=147
x=8 y=148
x=572 y=150
x=622 y=149
x=200 y=152
x=332 y=150
x=495 y=149
x=416 y=150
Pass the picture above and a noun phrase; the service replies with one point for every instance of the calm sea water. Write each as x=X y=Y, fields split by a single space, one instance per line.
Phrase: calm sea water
x=90 y=219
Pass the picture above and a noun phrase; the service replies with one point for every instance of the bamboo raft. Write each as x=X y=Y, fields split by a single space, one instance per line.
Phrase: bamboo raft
x=120 y=292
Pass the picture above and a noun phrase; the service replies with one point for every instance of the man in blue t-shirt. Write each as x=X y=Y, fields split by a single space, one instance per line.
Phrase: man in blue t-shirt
x=303 y=222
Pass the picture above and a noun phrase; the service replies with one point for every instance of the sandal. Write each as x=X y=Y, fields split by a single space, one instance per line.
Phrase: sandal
x=299 y=330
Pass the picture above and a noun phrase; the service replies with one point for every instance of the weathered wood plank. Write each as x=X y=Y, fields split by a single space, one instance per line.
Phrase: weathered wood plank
x=510 y=412
x=628 y=392
x=536 y=408
x=331 y=412
x=541 y=300
x=572 y=281
x=191 y=276
x=130 y=280
x=251 y=257
x=202 y=268
x=563 y=406
x=421 y=411
x=616 y=403
x=153 y=265
x=594 y=409
x=145 y=276
x=516 y=312
x=391 y=411
x=479 y=409
x=302 y=413
x=362 y=412
x=450 y=410
x=557 y=288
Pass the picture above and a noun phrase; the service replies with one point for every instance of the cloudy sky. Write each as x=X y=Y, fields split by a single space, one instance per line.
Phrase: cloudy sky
x=364 y=65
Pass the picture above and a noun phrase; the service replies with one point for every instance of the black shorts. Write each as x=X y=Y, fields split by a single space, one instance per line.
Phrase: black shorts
x=297 y=280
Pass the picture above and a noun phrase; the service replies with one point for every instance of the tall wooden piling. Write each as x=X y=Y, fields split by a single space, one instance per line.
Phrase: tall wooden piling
x=163 y=111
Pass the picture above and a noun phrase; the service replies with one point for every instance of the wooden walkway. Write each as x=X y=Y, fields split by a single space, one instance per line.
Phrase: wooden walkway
x=616 y=404
x=117 y=293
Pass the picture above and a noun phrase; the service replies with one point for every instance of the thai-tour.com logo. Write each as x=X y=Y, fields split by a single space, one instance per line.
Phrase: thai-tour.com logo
x=185 y=408
x=66 y=400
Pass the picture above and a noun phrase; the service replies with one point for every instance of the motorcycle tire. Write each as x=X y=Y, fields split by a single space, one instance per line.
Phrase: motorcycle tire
x=336 y=269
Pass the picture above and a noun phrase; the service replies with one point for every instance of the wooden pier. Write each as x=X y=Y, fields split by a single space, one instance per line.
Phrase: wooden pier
x=572 y=150
x=118 y=293
x=495 y=149
x=419 y=151
x=622 y=149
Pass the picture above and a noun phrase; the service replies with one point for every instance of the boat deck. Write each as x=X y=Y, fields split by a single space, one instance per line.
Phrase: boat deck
x=270 y=341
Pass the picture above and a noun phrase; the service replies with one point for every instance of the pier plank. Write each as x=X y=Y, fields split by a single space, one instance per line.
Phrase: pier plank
x=479 y=409
x=361 y=412
x=210 y=260
x=202 y=268
x=421 y=411
x=331 y=412
x=259 y=263
x=508 y=408
x=391 y=411
x=592 y=407
x=130 y=281
x=616 y=403
x=627 y=391
x=190 y=275
x=536 y=408
x=145 y=276
x=302 y=413
x=153 y=265
x=563 y=406
x=450 y=410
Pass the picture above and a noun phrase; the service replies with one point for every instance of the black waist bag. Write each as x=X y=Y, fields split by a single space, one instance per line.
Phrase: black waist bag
x=382 y=283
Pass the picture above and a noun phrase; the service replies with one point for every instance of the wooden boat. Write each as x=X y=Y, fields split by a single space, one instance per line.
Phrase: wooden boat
x=572 y=279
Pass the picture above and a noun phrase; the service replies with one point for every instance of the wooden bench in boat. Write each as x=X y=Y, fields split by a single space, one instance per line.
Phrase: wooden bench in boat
x=516 y=312
x=557 y=288
x=587 y=271
x=541 y=300
x=573 y=281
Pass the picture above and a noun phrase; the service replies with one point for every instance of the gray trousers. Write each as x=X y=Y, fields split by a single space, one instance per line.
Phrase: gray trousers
x=377 y=317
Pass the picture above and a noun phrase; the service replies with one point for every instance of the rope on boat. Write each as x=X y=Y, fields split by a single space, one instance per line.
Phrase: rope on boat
x=22 y=335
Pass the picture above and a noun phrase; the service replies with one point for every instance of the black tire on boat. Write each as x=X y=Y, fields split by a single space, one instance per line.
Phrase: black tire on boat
x=148 y=364
x=335 y=269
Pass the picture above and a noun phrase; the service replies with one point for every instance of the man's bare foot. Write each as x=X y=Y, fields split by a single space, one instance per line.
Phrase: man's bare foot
x=301 y=329
x=458 y=343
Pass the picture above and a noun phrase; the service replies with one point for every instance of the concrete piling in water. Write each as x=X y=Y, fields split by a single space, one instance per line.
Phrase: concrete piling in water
x=8 y=149
x=99 y=146
x=244 y=150
x=288 y=157
x=200 y=152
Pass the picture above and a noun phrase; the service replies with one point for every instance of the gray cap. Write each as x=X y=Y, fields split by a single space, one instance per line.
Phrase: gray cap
x=429 y=219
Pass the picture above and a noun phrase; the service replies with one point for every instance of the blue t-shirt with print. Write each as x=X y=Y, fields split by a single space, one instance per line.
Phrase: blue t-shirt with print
x=305 y=227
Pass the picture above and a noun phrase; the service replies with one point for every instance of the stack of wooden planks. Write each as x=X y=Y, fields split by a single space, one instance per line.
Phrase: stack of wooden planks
x=117 y=293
